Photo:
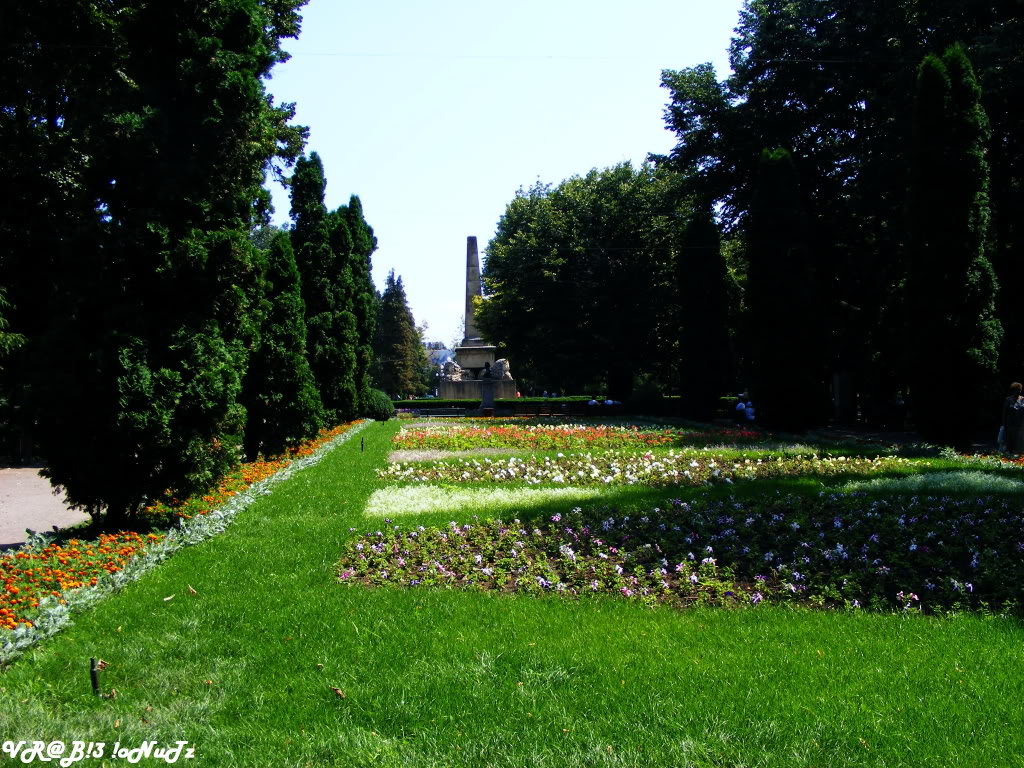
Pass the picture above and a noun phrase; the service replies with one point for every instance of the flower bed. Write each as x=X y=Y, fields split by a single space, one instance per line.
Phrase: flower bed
x=566 y=559
x=622 y=468
x=26 y=577
x=930 y=553
x=563 y=437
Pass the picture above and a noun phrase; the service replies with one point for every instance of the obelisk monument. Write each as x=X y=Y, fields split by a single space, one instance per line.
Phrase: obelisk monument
x=474 y=288
x=475 y=354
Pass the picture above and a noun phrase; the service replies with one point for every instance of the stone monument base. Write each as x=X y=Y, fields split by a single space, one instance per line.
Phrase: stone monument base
x=475 y=357
x=504 y=389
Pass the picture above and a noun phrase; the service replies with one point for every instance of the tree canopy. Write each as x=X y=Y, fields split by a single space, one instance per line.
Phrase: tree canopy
x=564 y=272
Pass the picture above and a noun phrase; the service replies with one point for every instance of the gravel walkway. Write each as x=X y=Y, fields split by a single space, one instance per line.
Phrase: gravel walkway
x=27 y=501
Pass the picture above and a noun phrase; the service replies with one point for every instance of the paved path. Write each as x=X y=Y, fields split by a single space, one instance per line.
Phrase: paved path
x=27 y=501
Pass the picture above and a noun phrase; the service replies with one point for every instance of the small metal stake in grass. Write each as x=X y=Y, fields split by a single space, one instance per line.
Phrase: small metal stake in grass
x=94 y=674
x=362 y=444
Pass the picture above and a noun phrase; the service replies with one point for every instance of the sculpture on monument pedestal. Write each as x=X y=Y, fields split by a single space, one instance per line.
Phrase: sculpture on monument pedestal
x=501 y=370
x=452 y=371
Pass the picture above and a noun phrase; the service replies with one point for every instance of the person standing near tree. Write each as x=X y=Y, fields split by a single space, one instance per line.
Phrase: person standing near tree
x=1013 y=420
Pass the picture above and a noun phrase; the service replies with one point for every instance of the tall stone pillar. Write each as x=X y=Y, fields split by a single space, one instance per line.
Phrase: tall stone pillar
x=474 y=288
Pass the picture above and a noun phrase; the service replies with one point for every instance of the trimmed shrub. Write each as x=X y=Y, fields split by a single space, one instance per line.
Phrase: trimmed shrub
x=378 y=406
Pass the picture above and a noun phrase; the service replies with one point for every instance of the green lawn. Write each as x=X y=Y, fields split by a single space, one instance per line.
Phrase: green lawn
x=244 y=668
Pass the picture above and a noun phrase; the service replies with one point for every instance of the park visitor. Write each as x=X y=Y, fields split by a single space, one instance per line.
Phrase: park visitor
x=1012 y=428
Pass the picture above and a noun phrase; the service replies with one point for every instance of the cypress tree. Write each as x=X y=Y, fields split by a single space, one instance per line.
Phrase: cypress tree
x=325 y=287
x=279 y=392
x=782 y=345
x=398 y=347
x=952 y=331
x=364 y=302
x=704 y=345
x=346 y=330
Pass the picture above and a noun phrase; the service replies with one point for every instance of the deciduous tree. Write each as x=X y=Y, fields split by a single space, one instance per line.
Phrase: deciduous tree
x=579 y=280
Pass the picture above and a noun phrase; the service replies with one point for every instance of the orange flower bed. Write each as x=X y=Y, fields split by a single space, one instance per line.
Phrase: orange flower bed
x=239 y=479
x=27 y=577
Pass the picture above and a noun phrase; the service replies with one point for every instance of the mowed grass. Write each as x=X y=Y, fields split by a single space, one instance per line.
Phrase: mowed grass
x=245 y=668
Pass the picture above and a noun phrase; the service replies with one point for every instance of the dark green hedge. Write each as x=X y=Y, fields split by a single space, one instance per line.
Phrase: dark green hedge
x=473 y=404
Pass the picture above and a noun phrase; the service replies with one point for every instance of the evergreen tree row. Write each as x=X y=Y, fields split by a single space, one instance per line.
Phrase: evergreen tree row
x=150 y=342
x=903 y=205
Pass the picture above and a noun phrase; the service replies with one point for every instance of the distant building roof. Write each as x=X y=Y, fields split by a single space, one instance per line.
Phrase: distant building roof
x=439 y=356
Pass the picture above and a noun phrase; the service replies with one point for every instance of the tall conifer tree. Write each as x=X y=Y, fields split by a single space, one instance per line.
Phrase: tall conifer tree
x=364 y=303
x=781 y=338
x=704 y=346
x=279 y=392
x=326 y=290
x=953 y=334
x=398 y=346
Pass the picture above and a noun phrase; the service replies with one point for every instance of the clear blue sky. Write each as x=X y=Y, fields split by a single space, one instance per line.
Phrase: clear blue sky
x=436 y=112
